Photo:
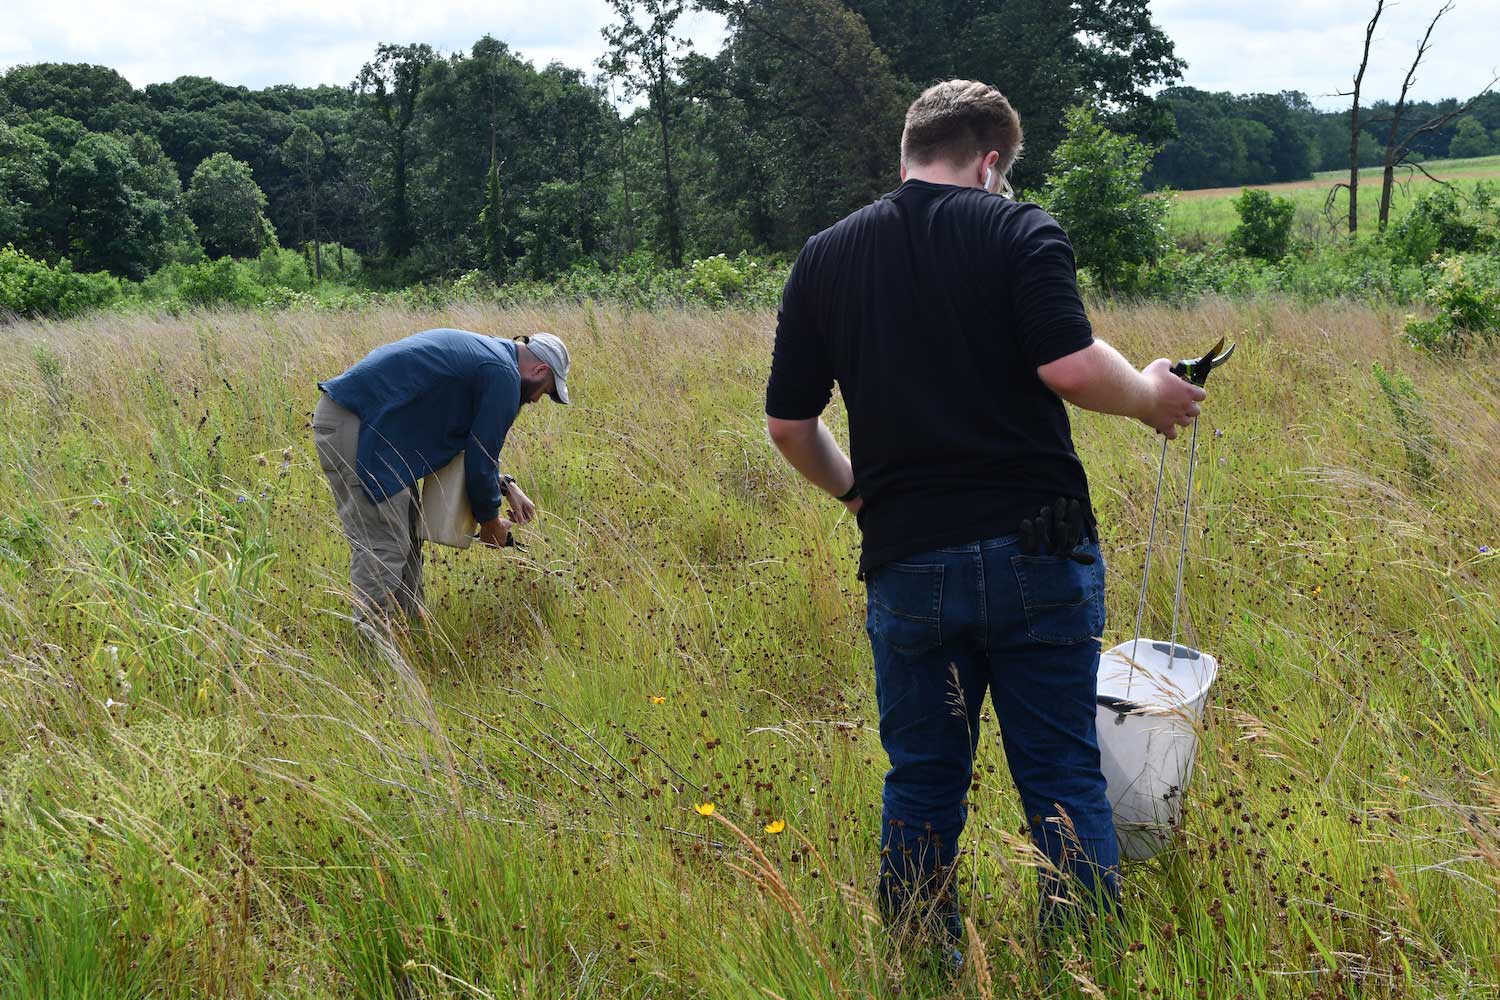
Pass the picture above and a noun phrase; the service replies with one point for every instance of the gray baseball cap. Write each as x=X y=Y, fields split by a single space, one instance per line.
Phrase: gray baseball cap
x=554 y=353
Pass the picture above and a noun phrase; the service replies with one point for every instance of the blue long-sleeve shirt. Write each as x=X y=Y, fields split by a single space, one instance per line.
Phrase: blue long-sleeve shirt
x=424 y=399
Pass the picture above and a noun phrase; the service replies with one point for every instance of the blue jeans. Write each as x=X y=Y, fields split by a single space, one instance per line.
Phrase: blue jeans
x=946 y=627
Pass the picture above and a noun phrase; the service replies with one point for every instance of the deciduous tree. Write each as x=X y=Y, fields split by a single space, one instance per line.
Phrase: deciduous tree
x=1045 y=55
x=813 y=115
x=228 y=208
x=1095 y=192
x=303 y=151
x=1472 y=139
x=643 y=57
x=391 y=82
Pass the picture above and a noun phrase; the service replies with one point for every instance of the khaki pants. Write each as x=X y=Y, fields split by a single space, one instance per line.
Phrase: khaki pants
x=385 y=554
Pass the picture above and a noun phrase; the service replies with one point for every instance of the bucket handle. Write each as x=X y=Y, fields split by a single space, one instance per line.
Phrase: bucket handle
x=1176 y=651
x=1120 y=706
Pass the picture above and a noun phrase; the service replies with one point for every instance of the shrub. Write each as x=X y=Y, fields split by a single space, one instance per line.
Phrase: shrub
x=340 y=263
x=30 y=287
x=1265 y=226
x=281 y=297
x=715 y=281
x=1181 y=276
x=54 y=379
x=473 y=284
x=24 y=538
x=276 y=267
x=644 y=282
x=1364 y=269
x=1095 y=191
x=1406 y=405
x=1443 y=221
x=1465 y=292
x=217 y=282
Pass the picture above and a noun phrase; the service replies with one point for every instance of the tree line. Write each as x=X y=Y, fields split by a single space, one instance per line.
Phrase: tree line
x=1225 y=140
x=429 y=164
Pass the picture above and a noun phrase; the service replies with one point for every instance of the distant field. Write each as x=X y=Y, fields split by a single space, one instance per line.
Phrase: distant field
x=1207 y=214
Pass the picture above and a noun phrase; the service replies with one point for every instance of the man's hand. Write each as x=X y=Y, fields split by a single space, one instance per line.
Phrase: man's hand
x=1099 y=378
x=521 y=505
x=1173 y=403
x=495 y=533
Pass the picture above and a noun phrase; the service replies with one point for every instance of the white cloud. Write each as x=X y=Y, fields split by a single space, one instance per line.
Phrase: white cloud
x=261 y=42
x=1308 y=45
x=1314 y=46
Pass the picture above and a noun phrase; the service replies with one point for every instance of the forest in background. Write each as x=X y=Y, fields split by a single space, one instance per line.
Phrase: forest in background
x=430 y=165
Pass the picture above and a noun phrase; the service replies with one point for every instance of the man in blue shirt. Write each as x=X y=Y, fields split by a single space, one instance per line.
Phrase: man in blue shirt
x=408 y=409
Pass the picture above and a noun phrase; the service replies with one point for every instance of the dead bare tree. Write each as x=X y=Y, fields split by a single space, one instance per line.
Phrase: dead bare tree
x=1398 y=149
x=1353 y=186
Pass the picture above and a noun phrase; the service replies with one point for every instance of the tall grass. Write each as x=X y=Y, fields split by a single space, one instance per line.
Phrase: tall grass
x=207 y=788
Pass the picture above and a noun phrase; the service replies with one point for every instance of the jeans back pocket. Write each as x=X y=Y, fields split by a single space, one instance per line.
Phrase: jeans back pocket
x=905 y=605
x=1064 y=600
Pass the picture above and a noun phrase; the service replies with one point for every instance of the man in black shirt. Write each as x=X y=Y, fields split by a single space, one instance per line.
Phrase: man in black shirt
x=950 y=318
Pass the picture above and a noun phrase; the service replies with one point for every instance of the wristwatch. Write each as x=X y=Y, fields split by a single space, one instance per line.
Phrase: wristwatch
x=853 y=492
x=506 y=482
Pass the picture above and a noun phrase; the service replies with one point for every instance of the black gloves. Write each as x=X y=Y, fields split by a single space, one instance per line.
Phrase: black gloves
x=1058 y=530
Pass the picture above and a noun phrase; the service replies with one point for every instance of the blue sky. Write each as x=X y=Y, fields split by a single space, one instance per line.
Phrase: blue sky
x=1308 y=45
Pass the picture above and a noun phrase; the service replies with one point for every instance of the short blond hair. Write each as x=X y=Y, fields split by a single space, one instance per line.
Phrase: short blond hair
x=957 y=120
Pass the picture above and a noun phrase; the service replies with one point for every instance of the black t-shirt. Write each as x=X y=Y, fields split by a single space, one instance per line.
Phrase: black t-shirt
x=932 y=309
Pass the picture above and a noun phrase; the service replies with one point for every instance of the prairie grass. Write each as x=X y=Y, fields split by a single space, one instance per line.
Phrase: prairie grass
x=208 y=788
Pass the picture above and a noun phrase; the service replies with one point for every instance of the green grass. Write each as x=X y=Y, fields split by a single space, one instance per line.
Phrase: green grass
x=1208 y=215
x=207 y=788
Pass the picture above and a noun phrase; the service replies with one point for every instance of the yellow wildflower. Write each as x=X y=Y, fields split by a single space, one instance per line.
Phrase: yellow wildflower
x=776 y=826
x=704 y=808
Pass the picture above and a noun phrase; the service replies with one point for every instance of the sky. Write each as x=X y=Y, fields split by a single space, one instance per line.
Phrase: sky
x=1314 y=46
x=1307 y=45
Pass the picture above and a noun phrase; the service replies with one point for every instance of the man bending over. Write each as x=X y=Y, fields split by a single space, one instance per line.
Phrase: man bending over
x=408 y=409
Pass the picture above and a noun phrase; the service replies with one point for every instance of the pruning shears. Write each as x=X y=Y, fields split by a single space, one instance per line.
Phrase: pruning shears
x=511 y=542
x=1196 y=371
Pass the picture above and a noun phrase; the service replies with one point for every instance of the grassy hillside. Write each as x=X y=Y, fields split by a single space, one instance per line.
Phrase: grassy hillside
x=1206 y=214
x=208 y=789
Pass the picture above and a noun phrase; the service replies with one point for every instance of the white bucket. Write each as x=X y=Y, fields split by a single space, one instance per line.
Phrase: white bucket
x=1147 y=726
